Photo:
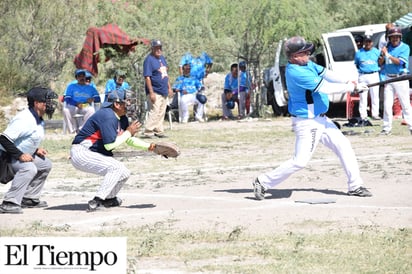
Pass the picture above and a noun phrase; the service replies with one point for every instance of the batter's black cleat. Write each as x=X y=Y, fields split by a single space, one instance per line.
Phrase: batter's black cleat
x=112 y=202
x=258 y=189
x=95 y=204
x=33 y=203
x=360 y=192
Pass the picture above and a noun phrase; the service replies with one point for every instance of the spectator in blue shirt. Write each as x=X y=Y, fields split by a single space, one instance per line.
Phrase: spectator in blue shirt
x=117 y=83
x=79 y=99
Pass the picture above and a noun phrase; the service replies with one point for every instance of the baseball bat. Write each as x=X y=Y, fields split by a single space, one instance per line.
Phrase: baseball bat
x=396 y=79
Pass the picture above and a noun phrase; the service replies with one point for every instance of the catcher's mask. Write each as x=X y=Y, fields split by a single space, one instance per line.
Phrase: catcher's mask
x=40 y=94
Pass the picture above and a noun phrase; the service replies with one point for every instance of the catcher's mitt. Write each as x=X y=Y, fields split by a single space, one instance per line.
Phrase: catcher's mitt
x=167 y=149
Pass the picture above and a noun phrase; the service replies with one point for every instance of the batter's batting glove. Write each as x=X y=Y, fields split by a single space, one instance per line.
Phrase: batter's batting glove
x=359 y=88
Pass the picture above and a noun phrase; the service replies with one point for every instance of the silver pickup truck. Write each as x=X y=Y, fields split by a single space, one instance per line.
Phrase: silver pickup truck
x=336 y=52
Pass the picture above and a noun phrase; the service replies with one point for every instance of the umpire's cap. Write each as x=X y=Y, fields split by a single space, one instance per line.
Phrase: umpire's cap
x=297 y=44
x=115 y=96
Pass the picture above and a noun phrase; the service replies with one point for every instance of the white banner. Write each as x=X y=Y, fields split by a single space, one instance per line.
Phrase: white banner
x=59 y=255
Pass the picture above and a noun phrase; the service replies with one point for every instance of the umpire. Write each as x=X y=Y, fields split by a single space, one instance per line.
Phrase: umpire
x=21 y=141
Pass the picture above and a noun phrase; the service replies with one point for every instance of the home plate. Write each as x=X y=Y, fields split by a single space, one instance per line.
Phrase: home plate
x=317 y=201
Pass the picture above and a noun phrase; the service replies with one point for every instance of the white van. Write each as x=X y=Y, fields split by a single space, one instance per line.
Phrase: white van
x=335 y=52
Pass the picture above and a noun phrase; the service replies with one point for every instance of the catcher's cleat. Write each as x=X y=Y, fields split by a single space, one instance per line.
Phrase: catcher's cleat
x=33 y=203
x=259 y=190
x=360 y=192
x=95 y=204
x=112 y=202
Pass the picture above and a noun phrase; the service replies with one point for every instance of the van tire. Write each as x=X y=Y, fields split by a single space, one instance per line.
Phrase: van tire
x=277 y=110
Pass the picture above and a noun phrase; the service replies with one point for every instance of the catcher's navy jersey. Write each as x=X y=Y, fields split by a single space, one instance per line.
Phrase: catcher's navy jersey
x=101 y=128
x=401 y=52
x=303 y=83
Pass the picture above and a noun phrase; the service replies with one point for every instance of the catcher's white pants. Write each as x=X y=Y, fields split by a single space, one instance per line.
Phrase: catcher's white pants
x=374 y=95
x=401 y=88
x=189 y=99
x=309 y=132
x=114 y=172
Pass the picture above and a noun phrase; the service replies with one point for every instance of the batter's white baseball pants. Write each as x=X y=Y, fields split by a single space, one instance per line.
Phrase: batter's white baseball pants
x=309 y=132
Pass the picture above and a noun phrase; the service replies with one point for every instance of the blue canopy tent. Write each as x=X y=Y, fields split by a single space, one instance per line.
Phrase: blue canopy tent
x=404 y=21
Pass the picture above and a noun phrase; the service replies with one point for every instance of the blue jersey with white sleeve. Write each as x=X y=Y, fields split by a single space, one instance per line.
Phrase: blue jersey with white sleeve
x=303 y=84
x=188 y=84
x=367 y=60
x=401 y=52
x=77 y=93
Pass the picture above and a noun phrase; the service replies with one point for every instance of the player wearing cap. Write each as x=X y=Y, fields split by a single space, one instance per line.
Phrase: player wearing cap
x=157 y=88
x=78 y=99
x=366 y=61
x=21 y=141
x=117 y=82
x=189 y=86
x=92 y=147
x=309 y=85
x=395 y=58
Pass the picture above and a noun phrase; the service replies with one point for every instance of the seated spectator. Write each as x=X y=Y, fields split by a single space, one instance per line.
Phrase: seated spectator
x=79 y=98
x=233 y=92
x=200 y=66
x=117 y=83
x=189 y=88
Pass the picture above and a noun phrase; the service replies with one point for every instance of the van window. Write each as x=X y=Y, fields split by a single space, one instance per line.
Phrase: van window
x=342 y=48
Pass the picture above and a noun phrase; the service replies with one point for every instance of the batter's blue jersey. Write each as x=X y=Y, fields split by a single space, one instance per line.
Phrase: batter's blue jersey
x=367 y=60
x=401 y=52
x=197 y=64
x=101 y=128
x=303 y=84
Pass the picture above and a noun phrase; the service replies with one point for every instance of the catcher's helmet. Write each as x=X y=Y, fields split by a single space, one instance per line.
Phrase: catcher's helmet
x=201 y=98
x=396 y=31
x=230 y=104
x=297 y=44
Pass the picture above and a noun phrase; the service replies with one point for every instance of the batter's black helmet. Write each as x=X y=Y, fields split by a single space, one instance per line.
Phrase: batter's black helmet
x=396 y=31
x=297 y=44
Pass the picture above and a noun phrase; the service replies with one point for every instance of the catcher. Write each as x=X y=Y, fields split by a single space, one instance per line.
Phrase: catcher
x=92 y=147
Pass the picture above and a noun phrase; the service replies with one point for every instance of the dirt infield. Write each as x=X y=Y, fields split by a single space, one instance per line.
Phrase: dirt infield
x=209 y=186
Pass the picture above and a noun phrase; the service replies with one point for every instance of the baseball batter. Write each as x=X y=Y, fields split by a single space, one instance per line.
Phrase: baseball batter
x=309 y=85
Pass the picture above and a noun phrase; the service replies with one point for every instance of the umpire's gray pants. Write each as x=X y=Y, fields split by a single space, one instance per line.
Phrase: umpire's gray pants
x=114 y=172
x=29 y=179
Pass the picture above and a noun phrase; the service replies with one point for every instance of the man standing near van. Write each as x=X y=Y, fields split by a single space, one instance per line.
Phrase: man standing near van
x=309 y=85
x=366 y=61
